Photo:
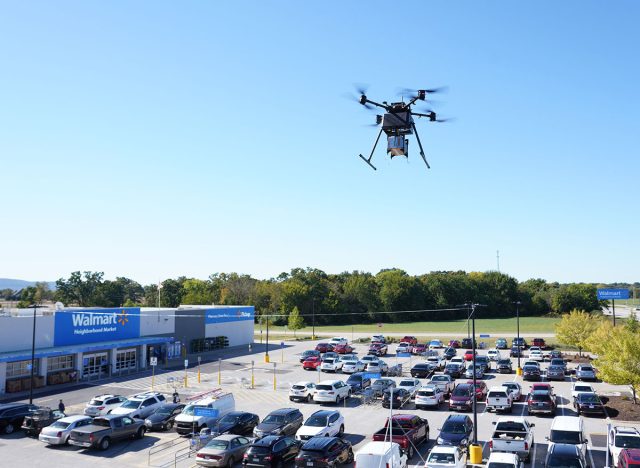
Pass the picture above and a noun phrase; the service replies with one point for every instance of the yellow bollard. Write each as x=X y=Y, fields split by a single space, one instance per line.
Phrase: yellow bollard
x=475 y=454
x=519 y=371
x=266 y=358
x=198 y=375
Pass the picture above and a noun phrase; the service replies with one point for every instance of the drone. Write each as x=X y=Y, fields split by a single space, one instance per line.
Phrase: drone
x=397 y=123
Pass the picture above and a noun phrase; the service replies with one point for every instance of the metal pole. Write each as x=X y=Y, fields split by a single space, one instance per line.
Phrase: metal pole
x=518 y=326
x=266 y=353
x=613 y=303
x=274 y=376
x=468 y=316
x=198 y=369
x=607 y=450
x=252 y=379
x=473 y=347
x=33 y=353
x=220 y=371
x=313 y=308
x=153 y=376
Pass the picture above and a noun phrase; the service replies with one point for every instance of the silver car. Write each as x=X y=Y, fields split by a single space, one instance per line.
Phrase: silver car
x=585 y=372
x=468 y=373
x=58 y=432
x=224 y=450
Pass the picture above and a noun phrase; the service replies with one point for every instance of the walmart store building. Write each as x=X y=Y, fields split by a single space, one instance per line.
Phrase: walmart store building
x=75 y=344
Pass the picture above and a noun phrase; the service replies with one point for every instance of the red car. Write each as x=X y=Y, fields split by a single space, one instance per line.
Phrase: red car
x=468 y=355
x=481 y=389
x=312 y=363
x=324 y=347
x=412 y=340
x=343 y=349
x=454 y=344
x=542 y=386
x=539 y=342
x=420 y=348
x=628 y=458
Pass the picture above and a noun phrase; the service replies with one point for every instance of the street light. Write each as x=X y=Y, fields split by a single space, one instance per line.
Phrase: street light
x=313 y=314
x=518 y=304
x=266 y=353
x=33 y=351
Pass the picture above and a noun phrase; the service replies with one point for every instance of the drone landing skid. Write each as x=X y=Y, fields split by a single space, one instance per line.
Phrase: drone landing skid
x=367 y=161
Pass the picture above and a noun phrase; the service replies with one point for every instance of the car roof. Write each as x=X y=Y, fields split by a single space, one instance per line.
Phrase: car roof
x=500 y=388
x=283 y=411
x=6 y=406
x=444 y=449
x=632 y=454
x=267 y=441
x=626 y=430
x=566 y=423
x=324 y=413
x=303 y=382
x=73 y=418
x=565 y=449
x=226 y=437
x=329 y=382
x=457 y=417
x=316 y=443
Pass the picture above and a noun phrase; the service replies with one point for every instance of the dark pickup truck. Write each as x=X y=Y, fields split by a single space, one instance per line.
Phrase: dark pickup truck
x=38 y=419
x=407 y=430
x=107 y=429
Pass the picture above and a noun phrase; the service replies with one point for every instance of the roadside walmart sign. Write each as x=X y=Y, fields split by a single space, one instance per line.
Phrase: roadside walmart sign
x=229 y=314
x=81 y=326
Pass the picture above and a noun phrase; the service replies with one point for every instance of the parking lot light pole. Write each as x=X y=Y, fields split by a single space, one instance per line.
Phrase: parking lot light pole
x=313 y=320
x=518 y=304
x=266 y=352
x=33 y=353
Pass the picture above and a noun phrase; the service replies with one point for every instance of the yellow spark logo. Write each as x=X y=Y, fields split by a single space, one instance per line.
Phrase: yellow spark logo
x=123 y=319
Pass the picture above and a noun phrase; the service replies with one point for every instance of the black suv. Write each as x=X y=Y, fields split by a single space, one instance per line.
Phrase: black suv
x=325 y=452
x=467 y=343
x=423 y=370
x=285 y=421
x=12 y=415
x=271 y=451
x=237 y=422
x=504 y=366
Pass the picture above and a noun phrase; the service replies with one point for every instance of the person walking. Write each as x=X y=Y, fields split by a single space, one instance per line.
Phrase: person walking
x=176 y=397
x=61 y=407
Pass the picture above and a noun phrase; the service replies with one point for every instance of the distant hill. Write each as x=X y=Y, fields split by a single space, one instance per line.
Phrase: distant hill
x=16 y=284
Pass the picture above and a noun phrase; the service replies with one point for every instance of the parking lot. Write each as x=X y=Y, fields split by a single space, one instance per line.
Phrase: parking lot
x=361 y=420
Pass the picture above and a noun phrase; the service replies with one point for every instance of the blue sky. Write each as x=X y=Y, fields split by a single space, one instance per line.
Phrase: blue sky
x=157 y=139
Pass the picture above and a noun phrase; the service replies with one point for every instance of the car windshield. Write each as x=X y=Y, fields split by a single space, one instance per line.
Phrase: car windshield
x=627 y=441
x=96 y=402
x=451 y=427
x=380 y=383
x=510 y=386
x=297 y=387
x=502 y=465
x=131 y=404
x=426 y=393
x=565 y=437
x=230 y=419
x=556 y=368
x=274 y=419
x=530 y=368
x=350 y=362
x=540 y=397
x=328 y=361
x=583 y=388
x=317 y=421
x=355 y=378
x=461 y=391
x=162 y=411
x=588 y=398
x=442 y=458
x=324 y=387
x=564 y=461
x=101 y=422
x=64 y=425
x=439 y=378
x=407 y=383
x=217 y=444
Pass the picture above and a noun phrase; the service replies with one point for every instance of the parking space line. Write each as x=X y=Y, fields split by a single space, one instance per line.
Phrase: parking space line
x=533 y=457
x=590 y=457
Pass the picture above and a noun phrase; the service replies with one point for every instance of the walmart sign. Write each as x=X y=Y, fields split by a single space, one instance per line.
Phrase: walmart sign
x=95 y=325
x=229 y=314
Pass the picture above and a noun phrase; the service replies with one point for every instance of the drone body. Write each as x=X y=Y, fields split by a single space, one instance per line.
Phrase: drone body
x=397 y=123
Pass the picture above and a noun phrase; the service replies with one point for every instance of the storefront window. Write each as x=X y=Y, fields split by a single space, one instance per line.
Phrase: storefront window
x=126 y=359
x=21 y=368
x=209 y=344
x=58 y=363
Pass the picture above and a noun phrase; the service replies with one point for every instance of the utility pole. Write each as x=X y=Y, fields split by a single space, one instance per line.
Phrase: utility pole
x=313 y=314
x=498 y=259
x=518 y=304
x=266 y=354
x=33 y=353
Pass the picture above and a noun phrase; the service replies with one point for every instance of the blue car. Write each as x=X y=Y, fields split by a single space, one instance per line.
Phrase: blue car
x=456 y=431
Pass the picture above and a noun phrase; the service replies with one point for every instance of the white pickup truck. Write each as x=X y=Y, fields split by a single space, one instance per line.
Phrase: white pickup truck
x=513 y=435
x=504 y=460
x=499 y=399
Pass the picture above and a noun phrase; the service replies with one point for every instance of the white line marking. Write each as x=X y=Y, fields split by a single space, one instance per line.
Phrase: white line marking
x=533 y=458
x=591 y=457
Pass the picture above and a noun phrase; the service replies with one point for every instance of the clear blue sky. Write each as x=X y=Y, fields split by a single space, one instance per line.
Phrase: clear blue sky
x=157 y=139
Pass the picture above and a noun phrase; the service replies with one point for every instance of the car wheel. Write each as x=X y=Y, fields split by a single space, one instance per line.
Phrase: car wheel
x=351 y=457
x=231 y=462
x=309 y=398
x=341 y=431
x=140 y=433
x=410 y=452
x=279 y=464
x=105 y=443
x=9 y=428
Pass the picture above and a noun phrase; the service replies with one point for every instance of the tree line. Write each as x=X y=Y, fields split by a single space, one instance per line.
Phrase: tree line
x=391 y=295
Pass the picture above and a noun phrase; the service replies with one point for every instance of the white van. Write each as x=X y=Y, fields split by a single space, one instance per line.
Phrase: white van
x=568 y=430
x=499 y=399
x=187 y=422
x=377 y=454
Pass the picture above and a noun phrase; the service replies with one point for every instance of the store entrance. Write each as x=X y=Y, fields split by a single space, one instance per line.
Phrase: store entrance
x=95 y=365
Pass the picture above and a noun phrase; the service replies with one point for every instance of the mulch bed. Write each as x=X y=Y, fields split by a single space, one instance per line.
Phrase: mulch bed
x=623 y=408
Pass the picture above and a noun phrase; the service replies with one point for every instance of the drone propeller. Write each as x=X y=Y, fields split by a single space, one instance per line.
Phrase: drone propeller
x=421 y=93
x=358 y=99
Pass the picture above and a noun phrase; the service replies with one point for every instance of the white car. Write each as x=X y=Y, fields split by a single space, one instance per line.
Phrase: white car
x=338 y=340
x=323 y=423
x=438 y=361
x=531 y=363
x=404 y=348
x=379 y=367
x=58 y=432
x=536 y=356
x=515 y=390
x=140 y=405
x=494 y=355
x=302 y=391
x=435 y=344
x=331 y=365
x=103 y=404
x=429 y=397
x=369 y=358
x=411 y=385
x=331 y=391
x=443 y=456
x=504 y=460
x=457 y=360
x=622 y=437
x=352 y=365
x=579 y=387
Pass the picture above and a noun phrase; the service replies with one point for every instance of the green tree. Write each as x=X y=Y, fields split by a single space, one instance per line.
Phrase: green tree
x=195 y=291
x=296 y=322
x=575 y=296
x=80 y=289
x=618 y=350
x=632 y=324
x=576 y=328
